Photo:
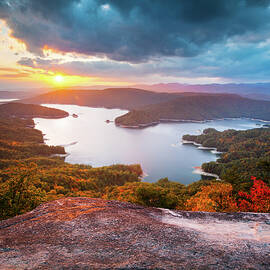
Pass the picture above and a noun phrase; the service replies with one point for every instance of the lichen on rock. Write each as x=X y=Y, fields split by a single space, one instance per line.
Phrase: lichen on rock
x=85 y=233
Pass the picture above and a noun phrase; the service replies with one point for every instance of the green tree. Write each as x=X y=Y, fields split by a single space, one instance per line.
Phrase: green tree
x=20 y=192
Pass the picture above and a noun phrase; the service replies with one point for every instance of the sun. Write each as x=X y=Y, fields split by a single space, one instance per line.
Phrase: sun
x=58 y=78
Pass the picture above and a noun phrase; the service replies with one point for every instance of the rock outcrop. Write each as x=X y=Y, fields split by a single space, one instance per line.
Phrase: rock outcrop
x=84 y=233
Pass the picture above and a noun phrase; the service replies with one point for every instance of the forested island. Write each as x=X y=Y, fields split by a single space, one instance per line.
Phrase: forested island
x=30 y=174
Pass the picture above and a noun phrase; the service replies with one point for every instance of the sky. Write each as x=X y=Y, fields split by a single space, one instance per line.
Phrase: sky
x=124 y=42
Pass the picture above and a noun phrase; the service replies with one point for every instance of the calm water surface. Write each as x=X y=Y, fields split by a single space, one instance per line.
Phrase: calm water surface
x=158 y=149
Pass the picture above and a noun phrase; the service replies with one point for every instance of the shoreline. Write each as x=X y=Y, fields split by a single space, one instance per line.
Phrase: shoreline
x=68 y=144
x=213 y=150
x=60 y=155
x=200 y=171
x=164 y=120
x=143 y=175
x=45 y=117
x=139 y=126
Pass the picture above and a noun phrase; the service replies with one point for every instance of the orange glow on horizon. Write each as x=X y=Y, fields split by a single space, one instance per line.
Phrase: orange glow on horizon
x=57 y=79
x=14 y=73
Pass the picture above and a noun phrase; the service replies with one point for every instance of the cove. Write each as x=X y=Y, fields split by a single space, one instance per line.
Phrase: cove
x=89 y=139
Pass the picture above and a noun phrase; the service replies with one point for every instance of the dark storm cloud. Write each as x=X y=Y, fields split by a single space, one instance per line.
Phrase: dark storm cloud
x=133 y=30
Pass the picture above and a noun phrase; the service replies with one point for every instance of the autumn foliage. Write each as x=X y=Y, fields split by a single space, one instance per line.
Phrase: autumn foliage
x=216 y=197
x=258 y=200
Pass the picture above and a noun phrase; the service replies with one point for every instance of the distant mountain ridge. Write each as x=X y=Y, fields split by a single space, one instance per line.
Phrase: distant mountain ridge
x=259 y=91
x=22 y=93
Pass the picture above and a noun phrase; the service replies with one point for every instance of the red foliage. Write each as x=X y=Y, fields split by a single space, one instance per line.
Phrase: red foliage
x=258 y=200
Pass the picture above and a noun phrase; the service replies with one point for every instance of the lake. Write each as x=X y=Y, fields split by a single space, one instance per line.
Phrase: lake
x=90 y=140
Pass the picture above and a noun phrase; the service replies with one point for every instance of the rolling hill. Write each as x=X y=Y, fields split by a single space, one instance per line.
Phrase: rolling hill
x=197 y=108
x=122 y=98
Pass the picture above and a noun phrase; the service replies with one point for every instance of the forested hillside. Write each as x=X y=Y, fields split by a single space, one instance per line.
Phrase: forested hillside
x=123 y=98
x=246 y=154
x=30 y=111
x=197 y=108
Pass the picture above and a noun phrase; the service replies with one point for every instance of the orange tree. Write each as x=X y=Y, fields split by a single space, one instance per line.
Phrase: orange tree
x=216 y=197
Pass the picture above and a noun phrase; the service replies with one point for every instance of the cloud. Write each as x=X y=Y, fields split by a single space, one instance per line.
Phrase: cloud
x=231 y=61
x=135 y=31
x=12 y=73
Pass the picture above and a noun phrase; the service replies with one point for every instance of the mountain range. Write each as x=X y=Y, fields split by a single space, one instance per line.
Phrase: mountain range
x=250 y=90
